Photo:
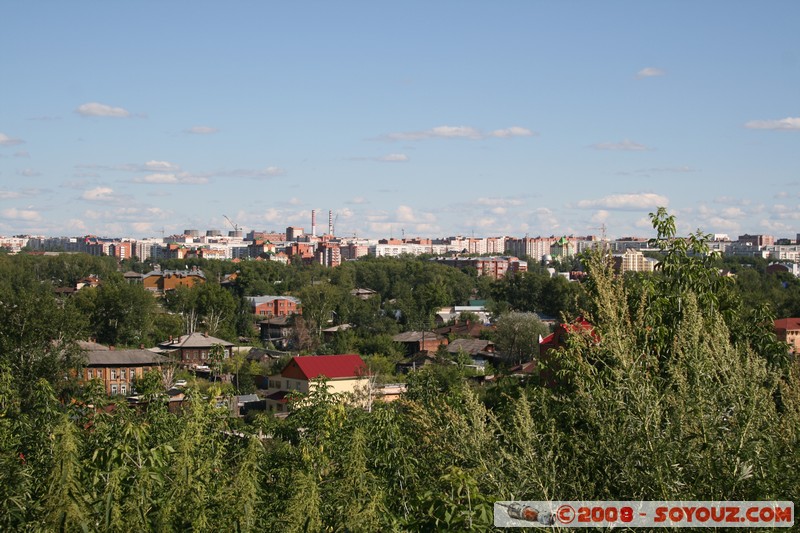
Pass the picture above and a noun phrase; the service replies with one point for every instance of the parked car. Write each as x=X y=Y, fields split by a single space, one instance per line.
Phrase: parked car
x=180 y=383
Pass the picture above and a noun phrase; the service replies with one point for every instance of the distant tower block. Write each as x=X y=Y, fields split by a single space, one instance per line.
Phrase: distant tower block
x=293 y=233
x=330 y=222
x=313 y=222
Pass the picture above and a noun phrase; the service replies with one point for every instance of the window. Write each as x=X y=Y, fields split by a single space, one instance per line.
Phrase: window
x=89 y=373
x=114 y=388
x=114 y=375
x=124 y=388
x=122 y=374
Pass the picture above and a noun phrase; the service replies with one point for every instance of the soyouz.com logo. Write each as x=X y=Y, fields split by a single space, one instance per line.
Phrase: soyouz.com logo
x=649 y=514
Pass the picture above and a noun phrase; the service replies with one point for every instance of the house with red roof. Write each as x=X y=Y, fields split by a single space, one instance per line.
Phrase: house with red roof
x=557 y=340
x=788 y=330
x=344 y=375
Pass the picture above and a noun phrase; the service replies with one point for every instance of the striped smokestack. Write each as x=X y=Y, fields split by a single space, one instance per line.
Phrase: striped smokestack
x=313 y=222
x=330 y=222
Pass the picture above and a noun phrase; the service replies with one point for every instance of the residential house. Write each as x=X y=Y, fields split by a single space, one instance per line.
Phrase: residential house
x=344 y=374
x=278 y=330
x=788 y=330
x=117 y=369
x=479 y=350
x=271 y=306
x=452 y=313
x=132 y=277
x=89 y=281
x=161 y=281
x=195 y=348
x=420 y=341
x=557 y=340
x=464 y=329
x=363 y=294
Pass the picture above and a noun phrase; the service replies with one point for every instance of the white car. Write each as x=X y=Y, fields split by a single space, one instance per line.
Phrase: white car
x=181 y=383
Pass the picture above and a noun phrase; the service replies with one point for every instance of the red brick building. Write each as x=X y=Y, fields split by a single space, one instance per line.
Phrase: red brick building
x=788 y=330
x=271 y=306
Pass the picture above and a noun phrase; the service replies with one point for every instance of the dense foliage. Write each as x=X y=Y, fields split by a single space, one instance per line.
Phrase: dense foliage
x=678 y=393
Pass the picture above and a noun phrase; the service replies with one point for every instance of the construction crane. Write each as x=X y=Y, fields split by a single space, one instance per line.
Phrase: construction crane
x=236 y=227
x=604 y=240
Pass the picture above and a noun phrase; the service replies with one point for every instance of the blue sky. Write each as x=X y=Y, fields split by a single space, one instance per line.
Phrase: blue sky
x=428 y=118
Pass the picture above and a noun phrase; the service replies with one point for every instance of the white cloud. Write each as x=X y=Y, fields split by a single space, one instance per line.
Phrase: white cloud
x=626 y=202
x=499 y=210
x=382 y=228
x=77 y=224
x=788 y=123
x=142 y=227
x=98 y=194
x=405 y=214
x=268 y=172
x=358 y=200
x=545 y=217
x=9 y=195
x=126 y=214
x=95 y=109
x=422 y=229
x=730 y=200
x=458 y=132
x=149 y=166
x=28 y=173
x=201 y=130
x=5 y=140
x=720 y=224
x=649 y=72
x=625 y=145
x=600 y=216
x=732 y=212
x=776 y=227
x=160 y=166
x=21 y=214
x=513 y=131
x=393 y=158
x=160 y=178
x=499 y=202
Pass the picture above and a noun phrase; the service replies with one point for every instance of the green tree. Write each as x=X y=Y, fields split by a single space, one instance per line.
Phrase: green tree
x=517 y=336
x=218 y=309
x=319 y=301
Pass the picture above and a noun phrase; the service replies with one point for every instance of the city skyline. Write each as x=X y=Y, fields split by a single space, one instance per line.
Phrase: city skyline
x=457 y=118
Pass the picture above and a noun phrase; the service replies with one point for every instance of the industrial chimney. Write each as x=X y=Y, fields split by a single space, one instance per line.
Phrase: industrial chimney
x=313 y=222
x=330 y=223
